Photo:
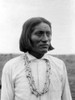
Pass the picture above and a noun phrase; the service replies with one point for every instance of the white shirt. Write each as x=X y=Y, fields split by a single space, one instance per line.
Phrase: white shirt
x=15 y=85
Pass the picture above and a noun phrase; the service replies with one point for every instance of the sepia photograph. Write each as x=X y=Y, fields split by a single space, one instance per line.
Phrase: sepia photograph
x=37 y=52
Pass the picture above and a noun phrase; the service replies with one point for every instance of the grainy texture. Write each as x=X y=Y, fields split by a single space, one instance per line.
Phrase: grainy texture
x=68 y=59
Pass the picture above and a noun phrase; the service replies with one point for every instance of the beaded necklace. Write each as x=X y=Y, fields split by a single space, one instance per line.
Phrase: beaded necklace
x=31 y=79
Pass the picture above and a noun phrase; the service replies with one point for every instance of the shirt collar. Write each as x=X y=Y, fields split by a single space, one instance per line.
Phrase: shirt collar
x=31 y=57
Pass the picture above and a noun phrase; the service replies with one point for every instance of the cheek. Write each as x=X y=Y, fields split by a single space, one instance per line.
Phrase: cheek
x=35 y=41
x=50 y=38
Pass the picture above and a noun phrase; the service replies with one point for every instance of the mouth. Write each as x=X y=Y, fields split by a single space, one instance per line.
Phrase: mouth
x=45 y=46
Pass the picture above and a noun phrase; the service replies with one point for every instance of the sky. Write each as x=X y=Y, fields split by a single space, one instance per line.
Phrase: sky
x=61 y=14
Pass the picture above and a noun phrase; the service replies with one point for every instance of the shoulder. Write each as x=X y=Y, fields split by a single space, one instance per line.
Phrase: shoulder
x=12 y=63
x=55 y=59
x=56 y=62
x=57 y=65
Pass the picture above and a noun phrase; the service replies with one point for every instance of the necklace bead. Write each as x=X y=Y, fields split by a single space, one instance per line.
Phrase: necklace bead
x=31 y=79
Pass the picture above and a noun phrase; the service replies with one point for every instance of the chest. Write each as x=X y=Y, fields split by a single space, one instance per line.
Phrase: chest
x=38 y=70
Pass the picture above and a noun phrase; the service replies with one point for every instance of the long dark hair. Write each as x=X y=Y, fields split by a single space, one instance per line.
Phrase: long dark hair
x=28 y=26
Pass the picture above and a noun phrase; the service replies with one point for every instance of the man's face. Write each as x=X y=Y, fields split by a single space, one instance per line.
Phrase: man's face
x=41 y=38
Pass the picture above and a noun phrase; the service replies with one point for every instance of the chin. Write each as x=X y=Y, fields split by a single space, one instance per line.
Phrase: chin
x=44 y=51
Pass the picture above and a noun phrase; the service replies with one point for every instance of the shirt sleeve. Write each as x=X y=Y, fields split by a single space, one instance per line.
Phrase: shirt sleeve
x=7 y=87
x=66 y=94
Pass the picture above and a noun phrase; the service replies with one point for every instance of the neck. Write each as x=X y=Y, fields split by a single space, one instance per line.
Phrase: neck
x=37 y=55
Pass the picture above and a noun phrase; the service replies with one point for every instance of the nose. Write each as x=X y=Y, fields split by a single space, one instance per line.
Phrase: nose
x=45 y=37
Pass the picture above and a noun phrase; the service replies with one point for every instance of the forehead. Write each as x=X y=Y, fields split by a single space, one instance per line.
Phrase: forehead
x=42 y=26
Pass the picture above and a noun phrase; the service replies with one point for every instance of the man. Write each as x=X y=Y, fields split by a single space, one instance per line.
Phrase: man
x=35 y=75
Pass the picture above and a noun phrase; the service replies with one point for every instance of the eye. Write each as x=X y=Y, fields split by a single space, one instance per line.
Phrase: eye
x=39 y=33
x=48 y=33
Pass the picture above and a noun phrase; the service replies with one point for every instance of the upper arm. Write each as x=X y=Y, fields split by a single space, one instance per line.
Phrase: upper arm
x=7 y=85
x=66 y=94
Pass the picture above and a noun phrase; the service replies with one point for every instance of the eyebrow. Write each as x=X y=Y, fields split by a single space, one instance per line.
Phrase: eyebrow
x=41 y=31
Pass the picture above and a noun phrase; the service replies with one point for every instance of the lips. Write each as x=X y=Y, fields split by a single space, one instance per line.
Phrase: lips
x=44 y=45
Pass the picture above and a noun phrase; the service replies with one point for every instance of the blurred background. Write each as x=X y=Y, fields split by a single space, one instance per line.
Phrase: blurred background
x=61 y=14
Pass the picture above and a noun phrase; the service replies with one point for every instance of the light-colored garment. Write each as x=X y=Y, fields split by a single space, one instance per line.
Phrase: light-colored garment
x=15 y=85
